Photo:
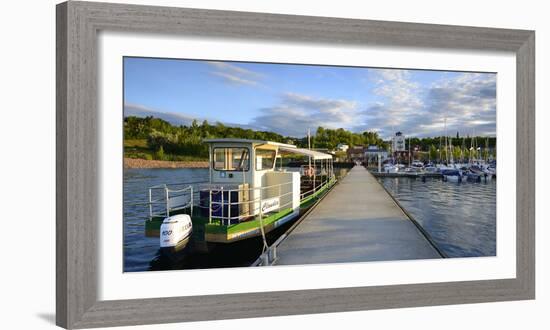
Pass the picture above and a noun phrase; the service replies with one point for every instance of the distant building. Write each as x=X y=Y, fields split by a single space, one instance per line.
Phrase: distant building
x=399 y=150
x=342 y=147
x=398 y=142
x=372 y=153
x=356 y=153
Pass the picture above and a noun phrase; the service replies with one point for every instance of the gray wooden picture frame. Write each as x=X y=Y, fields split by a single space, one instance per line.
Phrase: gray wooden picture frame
x=78 y=24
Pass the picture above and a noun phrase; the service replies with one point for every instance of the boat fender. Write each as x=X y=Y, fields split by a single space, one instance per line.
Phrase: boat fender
x=174 y=229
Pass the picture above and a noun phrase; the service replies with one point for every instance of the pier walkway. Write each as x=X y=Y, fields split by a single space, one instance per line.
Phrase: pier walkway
x=356 y=221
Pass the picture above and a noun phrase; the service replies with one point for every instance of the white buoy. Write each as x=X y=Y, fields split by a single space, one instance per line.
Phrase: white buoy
x=175 y=232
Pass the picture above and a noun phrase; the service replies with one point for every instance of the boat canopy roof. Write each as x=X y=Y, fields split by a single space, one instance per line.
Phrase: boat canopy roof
x=248 y=141
x=284 y=148
x=315 y=155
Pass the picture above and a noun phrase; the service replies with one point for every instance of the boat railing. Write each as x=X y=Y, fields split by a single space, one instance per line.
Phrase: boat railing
x=307 y=170
x=321 y=180
x=164 y=200
x=223 y=205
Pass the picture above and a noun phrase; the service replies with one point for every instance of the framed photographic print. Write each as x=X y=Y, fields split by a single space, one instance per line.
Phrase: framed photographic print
x=261 y=165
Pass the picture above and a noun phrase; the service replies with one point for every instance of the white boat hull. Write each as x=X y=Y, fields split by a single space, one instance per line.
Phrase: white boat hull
x=453 y=178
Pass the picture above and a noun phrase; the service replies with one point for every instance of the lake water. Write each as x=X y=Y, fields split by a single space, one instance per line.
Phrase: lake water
x=459 y=217
x=141 y=253
x=139 y=250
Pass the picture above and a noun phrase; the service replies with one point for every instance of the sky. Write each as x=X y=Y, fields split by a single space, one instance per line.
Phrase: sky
x=289 y=98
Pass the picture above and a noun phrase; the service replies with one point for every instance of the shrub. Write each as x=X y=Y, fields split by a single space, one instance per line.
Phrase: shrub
x=160 y=153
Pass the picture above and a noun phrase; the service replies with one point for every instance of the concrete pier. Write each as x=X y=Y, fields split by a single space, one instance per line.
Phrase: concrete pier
x=357 y=221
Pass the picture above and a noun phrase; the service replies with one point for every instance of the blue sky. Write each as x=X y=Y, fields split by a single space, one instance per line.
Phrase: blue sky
x=289 y=99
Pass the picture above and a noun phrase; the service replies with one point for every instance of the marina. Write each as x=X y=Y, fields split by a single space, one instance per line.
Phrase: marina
x=248 y=209
x=263 y=213
x=406 y=175
x=261 y=177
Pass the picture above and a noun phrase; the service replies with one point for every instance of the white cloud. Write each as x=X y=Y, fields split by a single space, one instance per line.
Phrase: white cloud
x=138 y=110
x=401 y=99
x=297 y=113
x=467 y=101
x=292 y=116
x=173 y=118
x=233 y=79
x=234 y=74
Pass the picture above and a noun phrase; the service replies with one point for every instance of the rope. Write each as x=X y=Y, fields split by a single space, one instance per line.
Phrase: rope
x=265 y=246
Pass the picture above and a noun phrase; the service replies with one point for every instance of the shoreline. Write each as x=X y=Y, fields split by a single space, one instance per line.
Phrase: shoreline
x=144 y=163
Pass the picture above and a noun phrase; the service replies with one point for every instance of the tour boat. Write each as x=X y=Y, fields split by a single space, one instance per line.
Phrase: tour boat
x=246 y=196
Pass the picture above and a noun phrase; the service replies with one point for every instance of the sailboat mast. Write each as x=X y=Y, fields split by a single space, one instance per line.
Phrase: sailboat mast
x=309 y=146
x=440 y=149
x=409 y=151
x=472 y=149
x=446 y=145
x=486 y=149
x=462 y=147
x=451 y=150
x=475 y=147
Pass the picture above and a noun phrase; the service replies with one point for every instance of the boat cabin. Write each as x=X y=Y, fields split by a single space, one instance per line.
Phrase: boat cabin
x=247 y=178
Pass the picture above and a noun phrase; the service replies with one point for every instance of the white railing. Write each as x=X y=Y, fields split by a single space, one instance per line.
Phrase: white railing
x=164 y=200
x=323 y=180
x=254 y=204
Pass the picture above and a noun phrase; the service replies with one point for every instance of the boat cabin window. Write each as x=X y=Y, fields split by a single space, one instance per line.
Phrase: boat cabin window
x=265 y=159
x=231 y=159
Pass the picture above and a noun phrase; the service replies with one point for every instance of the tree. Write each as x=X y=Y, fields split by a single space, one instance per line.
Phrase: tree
x=160 y=153
x=182 y=141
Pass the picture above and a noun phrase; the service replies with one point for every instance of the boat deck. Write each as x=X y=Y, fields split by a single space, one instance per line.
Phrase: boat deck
x=357 y=221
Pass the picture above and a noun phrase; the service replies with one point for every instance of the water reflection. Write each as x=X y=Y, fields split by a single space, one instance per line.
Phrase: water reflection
x=141 y=252
x=460 y=217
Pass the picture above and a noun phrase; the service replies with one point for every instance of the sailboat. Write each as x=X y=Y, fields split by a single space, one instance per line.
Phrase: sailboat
x=451 y=173
x=475 y=170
